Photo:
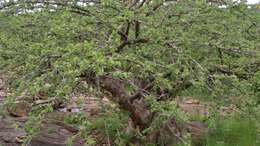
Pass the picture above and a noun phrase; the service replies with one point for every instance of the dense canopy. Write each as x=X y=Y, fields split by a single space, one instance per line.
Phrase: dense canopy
x=141 y=54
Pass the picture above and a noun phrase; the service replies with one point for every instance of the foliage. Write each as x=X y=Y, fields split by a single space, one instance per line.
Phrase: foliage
x=233 y=131
x=180 y=47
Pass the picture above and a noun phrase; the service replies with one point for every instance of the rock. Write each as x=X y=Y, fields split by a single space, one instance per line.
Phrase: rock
x=2 y=90
x=2 y=96
x=192 y=101
x=194 y=107
x=199 y=132
x=228 y=110
x=170 y=133
x=20 y=109
x=51 y=133
x=1 y=84
x=54 y=135
x=9 y=134
x=9 y=137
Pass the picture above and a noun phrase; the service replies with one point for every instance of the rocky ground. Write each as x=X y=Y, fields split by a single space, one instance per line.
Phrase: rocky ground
x=54 y=131
x=12 y=122
x=2 y=90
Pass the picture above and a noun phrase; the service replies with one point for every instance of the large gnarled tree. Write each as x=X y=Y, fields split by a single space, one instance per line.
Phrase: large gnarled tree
x=142 y=52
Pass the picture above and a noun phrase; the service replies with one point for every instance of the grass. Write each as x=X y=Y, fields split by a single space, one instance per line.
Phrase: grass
x=234 y=132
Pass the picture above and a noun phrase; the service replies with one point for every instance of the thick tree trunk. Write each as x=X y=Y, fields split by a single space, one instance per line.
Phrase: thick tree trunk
x=168 y=134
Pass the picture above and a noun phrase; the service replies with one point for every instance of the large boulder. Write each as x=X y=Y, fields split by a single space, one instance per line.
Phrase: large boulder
x=11 y=130
x=52 y=133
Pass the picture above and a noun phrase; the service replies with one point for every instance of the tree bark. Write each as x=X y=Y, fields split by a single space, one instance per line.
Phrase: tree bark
x=169 y=132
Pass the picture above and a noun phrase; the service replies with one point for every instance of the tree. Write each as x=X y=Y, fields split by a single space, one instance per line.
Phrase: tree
x=143 y=53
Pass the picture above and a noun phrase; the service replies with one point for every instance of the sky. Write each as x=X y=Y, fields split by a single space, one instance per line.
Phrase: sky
x=248 y=1
x=253 y=1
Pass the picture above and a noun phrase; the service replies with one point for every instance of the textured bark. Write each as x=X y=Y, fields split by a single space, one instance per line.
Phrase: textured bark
x=138 y=109
x=168 y=134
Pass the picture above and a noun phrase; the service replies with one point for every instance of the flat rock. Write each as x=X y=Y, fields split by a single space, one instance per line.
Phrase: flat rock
x=194 y=107
x=10 y=131
x=51 y=133
x=20 y=109
x=54 y=135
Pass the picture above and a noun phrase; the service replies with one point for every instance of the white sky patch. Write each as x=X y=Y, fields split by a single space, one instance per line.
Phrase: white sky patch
x=253 y=1
x=250 y=2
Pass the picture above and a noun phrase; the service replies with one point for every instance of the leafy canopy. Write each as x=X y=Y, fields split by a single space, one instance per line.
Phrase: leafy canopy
x=179 y=47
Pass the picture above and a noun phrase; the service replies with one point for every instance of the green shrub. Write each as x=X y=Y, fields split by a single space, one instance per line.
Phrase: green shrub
x=234 y=132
